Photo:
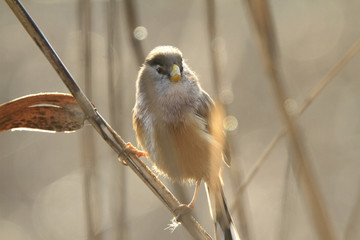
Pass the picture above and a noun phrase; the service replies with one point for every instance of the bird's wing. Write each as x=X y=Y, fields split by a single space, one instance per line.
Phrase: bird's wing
x=204 y=110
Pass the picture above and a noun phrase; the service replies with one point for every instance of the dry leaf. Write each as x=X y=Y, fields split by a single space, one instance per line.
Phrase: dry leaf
x=57 y=112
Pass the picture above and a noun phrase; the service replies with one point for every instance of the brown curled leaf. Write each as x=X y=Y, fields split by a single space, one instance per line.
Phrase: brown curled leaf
x=56 y=112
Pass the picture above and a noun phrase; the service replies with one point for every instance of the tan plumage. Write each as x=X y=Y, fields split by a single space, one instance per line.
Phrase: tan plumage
x=173 y=123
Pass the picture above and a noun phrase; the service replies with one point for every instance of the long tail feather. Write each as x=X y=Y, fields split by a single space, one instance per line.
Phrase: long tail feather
x=220 y=215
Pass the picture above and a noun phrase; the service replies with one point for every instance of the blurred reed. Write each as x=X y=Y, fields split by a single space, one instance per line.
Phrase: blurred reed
x=89 y=162
x=119 y=192
x=353 y=51
x=216 y=67
x=133 y=22
x=263 y=25
x=352 y=225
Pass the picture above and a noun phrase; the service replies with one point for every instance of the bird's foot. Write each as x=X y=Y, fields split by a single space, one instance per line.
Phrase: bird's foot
x=131 y=149
x=182 y=210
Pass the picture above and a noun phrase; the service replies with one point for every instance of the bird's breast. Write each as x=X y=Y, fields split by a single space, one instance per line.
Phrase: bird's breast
x=175 y=104
x=183 y=149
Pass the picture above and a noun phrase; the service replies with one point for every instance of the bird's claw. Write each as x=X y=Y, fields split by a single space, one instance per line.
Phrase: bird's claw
x=181 y=210
x=131 y=149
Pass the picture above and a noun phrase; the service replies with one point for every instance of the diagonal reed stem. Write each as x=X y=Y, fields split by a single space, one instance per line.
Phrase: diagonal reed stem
x=352 y=52
x=263 y=24
x=103 y=128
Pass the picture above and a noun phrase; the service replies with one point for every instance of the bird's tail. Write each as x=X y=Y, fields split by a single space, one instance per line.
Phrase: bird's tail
x=220 y=214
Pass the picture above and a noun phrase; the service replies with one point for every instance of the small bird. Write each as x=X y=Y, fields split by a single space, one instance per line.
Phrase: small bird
x=174 y=123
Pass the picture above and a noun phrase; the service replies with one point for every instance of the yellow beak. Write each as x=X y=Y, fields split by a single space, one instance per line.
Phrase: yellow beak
x=175 y=74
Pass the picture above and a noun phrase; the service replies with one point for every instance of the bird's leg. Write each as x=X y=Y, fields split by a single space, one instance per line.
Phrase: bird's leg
x=191 y=205
x=185 y=209
x=131 y=149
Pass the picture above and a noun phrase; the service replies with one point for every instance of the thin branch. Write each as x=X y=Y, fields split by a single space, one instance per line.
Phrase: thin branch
x=260 y=13
x=330 y=76
x=103 y=128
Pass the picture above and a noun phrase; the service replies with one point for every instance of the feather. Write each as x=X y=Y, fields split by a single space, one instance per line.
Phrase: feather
x=220 y=213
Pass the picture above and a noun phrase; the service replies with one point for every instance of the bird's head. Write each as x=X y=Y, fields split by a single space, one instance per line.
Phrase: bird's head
x=165 y=63
x=165 y=79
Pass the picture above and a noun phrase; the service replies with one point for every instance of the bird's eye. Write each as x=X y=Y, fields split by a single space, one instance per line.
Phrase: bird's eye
x=160 y=70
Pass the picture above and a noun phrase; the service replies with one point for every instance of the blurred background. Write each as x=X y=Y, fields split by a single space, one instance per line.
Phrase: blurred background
x=48 y=190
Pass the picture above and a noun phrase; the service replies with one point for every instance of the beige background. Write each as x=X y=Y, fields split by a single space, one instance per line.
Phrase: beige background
x=41 y=183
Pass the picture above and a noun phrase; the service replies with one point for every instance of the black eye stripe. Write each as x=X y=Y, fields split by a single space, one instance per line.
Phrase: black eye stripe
x=160 y=69
x=162 y=63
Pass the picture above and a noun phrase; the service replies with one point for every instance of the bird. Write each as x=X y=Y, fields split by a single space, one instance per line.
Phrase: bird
x=176 y=125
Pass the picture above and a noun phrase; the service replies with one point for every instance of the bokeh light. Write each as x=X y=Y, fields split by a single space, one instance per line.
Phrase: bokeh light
x=140 y=33
x=230 y=123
